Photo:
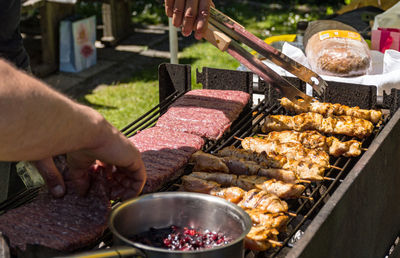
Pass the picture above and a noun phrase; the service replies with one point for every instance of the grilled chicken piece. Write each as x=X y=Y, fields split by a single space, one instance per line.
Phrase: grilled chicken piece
x=261 y=200
x=288 y=171
x=232 y=194
x=198 y=185
x=257 y=238
x=263 y=160
x=208 y=162
x=261 y=233
x=268 y=220
x=258 y=245
x=291 y=150
x=329 y=109
x=315 y=140
x=281 y=189
x=287 y=176
x=346 y=125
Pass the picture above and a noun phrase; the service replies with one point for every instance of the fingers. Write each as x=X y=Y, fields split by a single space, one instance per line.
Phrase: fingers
x=202 y=18
x=128 y=181
x=189 y=17
x=177 y=16
x=169 y=7
x=78 y=174
x=52 y=176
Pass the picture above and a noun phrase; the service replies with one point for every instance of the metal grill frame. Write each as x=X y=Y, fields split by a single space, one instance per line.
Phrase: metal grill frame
x=337 y=223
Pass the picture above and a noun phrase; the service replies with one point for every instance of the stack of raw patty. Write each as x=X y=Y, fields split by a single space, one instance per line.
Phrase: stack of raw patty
x=179 y=133
x=65 y=224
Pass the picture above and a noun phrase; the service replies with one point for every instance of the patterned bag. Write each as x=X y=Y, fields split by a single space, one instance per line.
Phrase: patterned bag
x=77 y=44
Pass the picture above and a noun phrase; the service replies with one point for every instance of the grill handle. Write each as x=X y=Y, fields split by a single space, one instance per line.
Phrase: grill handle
x=115 y=252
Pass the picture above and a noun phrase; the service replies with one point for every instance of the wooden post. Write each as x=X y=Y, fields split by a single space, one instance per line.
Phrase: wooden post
x=116 y=21
x=51 y=15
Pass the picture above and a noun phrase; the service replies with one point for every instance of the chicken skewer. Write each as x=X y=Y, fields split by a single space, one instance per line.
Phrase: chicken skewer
x=239 y=166
x=315 y=140
x=253 y=199
x=329 y=109
x=346 y=125
x=293 y=168
x=291 y=150
x=281 y=189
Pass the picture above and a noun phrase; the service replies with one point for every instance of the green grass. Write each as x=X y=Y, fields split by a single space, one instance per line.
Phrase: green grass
x=124 y=102
x=203 y=54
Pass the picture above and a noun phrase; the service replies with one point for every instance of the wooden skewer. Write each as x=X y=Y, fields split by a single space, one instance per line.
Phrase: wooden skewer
x=328 y=178
x=304 y=181
x=262 y=135
x=273 y=242
x=307 y=197
x=364 y=149
x=237 y=138
x=338 y=168
x=291 y=214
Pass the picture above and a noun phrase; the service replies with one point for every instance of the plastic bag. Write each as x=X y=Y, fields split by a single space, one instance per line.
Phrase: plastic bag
x=385 y=38
x=337 y=52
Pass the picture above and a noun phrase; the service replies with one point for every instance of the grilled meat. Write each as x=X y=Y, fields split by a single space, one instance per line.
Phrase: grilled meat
x=268 y=220
x=329 y=109
x=291 y=150
x=346 y=125
x=315 y=140
x=263 y=160
x=241 y=166
x=261 y=200
x=208 y=162
x=258 y=238
x=281 y=189
x=285 y=170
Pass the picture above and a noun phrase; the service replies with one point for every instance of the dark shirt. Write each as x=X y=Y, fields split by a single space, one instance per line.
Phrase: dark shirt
x=11 y=45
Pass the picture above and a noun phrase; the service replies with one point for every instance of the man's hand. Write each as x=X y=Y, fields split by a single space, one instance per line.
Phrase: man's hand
x=127 y=170
x=37 y=123
x=192 y=15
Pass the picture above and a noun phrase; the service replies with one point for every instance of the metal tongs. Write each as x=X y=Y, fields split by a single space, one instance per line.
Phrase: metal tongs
x=227 y=34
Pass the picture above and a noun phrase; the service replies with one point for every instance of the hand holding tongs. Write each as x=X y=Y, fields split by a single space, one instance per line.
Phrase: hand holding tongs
x=226 y=34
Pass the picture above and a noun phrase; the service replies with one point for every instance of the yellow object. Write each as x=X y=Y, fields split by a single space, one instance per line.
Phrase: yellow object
x=270 y=40
x=326 y=34
x=355 y=4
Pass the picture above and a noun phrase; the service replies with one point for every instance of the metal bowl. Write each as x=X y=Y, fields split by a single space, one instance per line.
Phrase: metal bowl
x=194 y=210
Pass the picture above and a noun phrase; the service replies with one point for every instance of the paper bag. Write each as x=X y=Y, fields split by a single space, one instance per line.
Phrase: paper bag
x=385 y=38
x=77 y=44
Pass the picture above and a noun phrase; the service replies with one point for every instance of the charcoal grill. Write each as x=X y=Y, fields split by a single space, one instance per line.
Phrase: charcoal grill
x=355 y=214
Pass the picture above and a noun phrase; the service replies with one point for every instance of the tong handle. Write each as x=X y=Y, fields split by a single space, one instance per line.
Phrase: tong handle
x=217 y=38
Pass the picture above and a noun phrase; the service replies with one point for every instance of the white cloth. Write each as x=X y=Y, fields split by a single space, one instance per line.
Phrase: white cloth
x=385 y=72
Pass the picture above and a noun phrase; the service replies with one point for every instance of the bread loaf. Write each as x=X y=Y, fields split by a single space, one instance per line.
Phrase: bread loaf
x=338 y=52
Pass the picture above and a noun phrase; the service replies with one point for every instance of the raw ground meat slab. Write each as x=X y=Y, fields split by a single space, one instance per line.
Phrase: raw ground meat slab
x=164 y=152
x=66 y=224
x=206 y=113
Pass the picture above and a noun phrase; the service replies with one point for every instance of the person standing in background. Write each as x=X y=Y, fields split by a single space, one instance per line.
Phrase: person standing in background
x=11 y=43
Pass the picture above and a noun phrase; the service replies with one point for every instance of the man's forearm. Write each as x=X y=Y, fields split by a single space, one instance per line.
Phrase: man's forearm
x=37 y=122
